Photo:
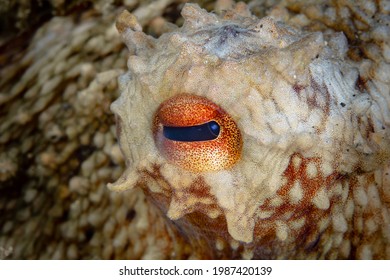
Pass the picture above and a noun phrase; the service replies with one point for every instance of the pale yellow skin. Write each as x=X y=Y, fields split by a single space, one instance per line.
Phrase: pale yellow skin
x=312 y=180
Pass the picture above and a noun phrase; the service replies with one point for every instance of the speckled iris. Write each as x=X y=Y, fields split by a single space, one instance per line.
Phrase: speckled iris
x=196 y=134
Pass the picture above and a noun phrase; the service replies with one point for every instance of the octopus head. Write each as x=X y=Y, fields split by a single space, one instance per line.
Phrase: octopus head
x=248 y=134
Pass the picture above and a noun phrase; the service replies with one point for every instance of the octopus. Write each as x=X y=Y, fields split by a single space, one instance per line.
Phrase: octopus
x=261 y=138
x=251 y=131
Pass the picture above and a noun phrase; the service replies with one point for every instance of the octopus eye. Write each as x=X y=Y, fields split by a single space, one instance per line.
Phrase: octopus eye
x=196 y=134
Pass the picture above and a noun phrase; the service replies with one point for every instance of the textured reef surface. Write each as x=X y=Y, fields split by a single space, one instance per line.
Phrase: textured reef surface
x=257 y=130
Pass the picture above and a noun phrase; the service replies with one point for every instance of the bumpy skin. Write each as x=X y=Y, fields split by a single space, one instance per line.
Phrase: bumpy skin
x=312 y=180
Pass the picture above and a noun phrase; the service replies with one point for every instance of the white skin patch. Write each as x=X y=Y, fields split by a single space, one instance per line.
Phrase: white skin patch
x=220 y=244
x=349 y=208
x=247 y=254
x=321 y=200
x=345 y=248
x=296 y=193
x=234 y=244
x=214 y=213
x=323 y=223
x=365 y=252
x=281 y=230
x=311 y=170
x=154 y=186
x=339 y=223
x=240 y=227
x=360 y=196
x=222 y=188
x=337 y=240
x=298 y=224
x=296 y=162
x=326 y=169
x=371 y=225
x=265 y=214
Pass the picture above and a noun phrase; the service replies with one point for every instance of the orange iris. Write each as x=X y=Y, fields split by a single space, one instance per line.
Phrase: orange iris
x=195 y=134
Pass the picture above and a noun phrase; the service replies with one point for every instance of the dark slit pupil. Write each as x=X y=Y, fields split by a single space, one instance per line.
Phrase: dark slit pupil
x=203 y=132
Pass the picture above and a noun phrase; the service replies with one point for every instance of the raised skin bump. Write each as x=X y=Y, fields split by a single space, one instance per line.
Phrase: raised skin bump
x=185 y=110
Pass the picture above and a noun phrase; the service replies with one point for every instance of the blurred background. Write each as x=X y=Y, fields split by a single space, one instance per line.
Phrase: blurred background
x=59 y=63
